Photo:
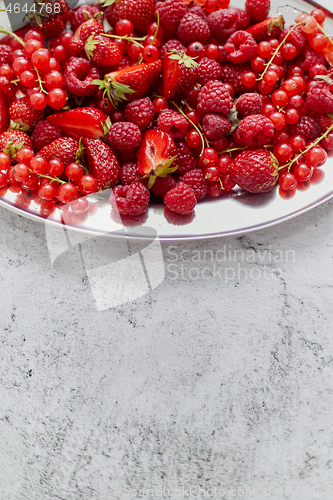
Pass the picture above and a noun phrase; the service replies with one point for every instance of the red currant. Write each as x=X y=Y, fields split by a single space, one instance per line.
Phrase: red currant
x=38 y=164
x=124 y=27
x=87 y=184
x=38 y=100
x=287 y=181
x=134 y=51
x=278 y=119
x=54 y=79
x=47 y=192
x=3 y=180
x=66 y=192
x=292 y=116
x=55 y=167
x=223 y=163
x=264 y=50
x=28 y=78
x=212 y=51
x=297 y=143
x=316 y=157
x=193 y=139
x=5 y=161
x=34 y=35
x=150 y=53
x=289 y=51
x=74 y=171
x=57 y=98
x=283 y=152
x=31 y=46
x=249 y=79
x=21 y=64
x=160 y=103
x=41 y=58
x=212 y=173
x=60 y=53
x=280 y=98
x=196 y=49
x=302 y=172
x=24 y=155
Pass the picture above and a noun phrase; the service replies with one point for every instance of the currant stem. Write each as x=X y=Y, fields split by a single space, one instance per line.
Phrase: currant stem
x=126 y=37
x=157 y=27
x=323 y=32
x=307 y=149
x=276 y=51
x=41 y=88
x=196 y=128
x=55 y=179
x=17 y=38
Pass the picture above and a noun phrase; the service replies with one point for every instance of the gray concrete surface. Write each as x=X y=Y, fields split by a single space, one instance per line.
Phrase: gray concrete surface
x=216 y=387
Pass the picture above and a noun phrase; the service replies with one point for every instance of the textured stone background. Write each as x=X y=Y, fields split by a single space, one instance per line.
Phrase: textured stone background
x=201 y=383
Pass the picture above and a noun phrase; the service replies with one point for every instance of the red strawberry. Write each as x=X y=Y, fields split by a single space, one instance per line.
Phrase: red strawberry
x=52 y=19
x=82 y=13
x=13 y=140
x=23 y=116
x=179 y=74
x=130 y=83
x=156 y=154
x=88 y=28
x=140 y=12
x=254 y=170
x=102 y=51
x=269 y=28
x=4 y=116
x=102 y=163
x=63 y=149
x=81 y=122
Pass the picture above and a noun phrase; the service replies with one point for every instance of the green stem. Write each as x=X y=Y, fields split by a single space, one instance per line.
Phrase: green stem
x=17 y=38
x=41 y=88
x=126 y=37
x=55 y=179
x=196 y=128
x=323 y=32
x=157 y=27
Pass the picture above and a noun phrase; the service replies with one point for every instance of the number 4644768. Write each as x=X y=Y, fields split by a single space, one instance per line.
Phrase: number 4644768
x=40 y=7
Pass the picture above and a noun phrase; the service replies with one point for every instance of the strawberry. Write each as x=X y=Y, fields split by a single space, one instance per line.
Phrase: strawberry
x=4 y=116
x=102 y=163
x=254 y=170
x=13 y=140
x=156 y=154
x=63 y=149
x=81 y=122
x=51 y=19
x=133 y=81
x=269 y=28
x=102 y=51
x=88 y=28
x=179 y=73
x=23 y=116
x=140 y=12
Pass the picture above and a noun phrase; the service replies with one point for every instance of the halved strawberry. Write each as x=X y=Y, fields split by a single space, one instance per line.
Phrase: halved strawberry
x=4 y=116
x=179 y=73
x=102 y=163
x=269 y=28
x=133 y=81
x=156 y=154
x=81 y=122
x=63 y=149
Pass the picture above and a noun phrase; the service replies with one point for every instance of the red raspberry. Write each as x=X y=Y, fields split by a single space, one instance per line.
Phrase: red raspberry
x=240 y=47
x=193 y=28
x=44 y=133
x=186 y=159
x=170 y=45
x=196 y=180
x=162 y=185
x=255 y=171
x=181 y=199
x=223 y=23
x=81 y=14
x=257 y=9
x=194 y=8
x=249 y=104
x=173 y=123
x=125 y=62
x=233 y=73
x=255 y=131
x=311 y=58
x=78 y=76
x=324 y=121
x=5 y=52
x=130 y=200
x=307 y=126
x=215 y=126
x=214 y=98
x=141 y=112
x=208 y=69
x=319 y=98
x=124 y=137
x=128 y=174
x=296 y=37
x=171 y=13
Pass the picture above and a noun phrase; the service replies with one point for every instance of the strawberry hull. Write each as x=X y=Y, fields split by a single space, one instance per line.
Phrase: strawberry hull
x=80 y=122
x=271 y=27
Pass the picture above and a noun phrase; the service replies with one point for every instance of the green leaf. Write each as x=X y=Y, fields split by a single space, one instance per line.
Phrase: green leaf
x=121 y=90
x=101 y=83
x=165 y=169
x=330 y=115
x=107 y=125
x=151 y=181
x=107 y=3
x=90 y=46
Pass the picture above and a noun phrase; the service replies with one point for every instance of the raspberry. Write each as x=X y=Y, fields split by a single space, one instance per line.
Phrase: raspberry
x=140 y=112
x=128 y=174
x=257 y=9
x=249 y=104
x=130 y=200
x=44 y=133
x=215 y=126
x=208 y=69
x=255 y=171
x=223 y=23
x=233 y=73
x=173 y=123
x=214 y=97
x=162 y=185
x=240 y=47
x=319 y=98
x=193 y=28
x=78 y=76
x=196 y=180
x=170 y=45
x=297 y=37
x=5 y=52
x=186 y=159
x=125 y=62
x=171 y=13
x=194 y=8
x=311 y=58
x=124 y=137
x=255 y=131
x=324 y=121
x=307 y=126
x=81 y=14
x=181 y=199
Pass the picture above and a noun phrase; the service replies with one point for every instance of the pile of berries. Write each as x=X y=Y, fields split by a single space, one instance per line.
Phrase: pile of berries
x=176 y=100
